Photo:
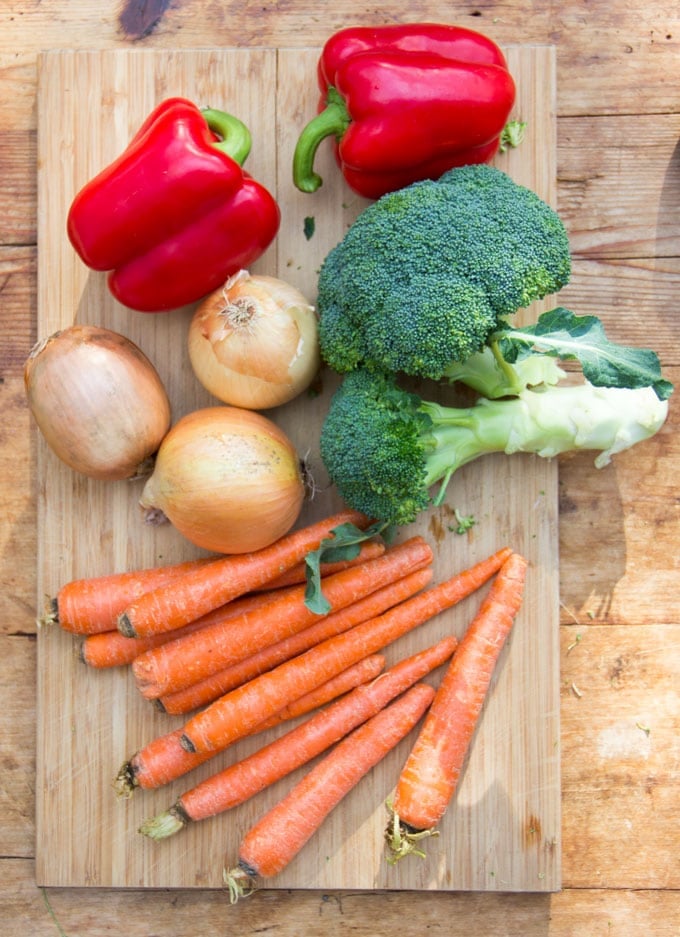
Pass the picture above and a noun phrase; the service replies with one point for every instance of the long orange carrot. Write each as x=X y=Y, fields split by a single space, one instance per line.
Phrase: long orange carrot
x=368 y=550
x=202 y=590
x=271 y=844
x=113 y=649
x=237 y=712
x=90 y=606
x=180 y=663
x=243 y=779
x=430 y=775
x=164 y=760
x=209 y=689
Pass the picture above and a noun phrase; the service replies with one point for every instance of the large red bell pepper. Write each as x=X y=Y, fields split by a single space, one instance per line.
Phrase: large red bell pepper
x=404 y=103
x=175 y=214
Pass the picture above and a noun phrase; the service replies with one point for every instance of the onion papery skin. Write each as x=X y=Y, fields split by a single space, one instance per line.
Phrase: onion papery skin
x=98 y=401
x=228 y=479
x=254 y=343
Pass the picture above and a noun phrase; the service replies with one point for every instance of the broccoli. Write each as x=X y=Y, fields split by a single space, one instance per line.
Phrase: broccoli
x=385 y=447
x=427 y=273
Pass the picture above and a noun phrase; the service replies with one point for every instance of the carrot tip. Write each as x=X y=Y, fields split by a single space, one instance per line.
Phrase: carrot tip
x=125 y=781
x=240 y=883
x=402 y=841
x=163 y=825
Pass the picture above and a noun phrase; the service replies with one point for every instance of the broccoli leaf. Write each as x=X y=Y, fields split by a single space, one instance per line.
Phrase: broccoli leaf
x=309 y=227
x=562 y=334
x=343 y=543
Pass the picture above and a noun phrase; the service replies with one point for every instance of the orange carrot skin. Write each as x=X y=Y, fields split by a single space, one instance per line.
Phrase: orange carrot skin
x=364 y=670
x=209 y=689
x=164 y=760
x=91 y=606
x=234 y=714
x=178 y=664
x=432 y=770
x=368 y=550
x=113 y=649
x=202 y=590
x=242 y=780
x=160 y=761
x=280 y=834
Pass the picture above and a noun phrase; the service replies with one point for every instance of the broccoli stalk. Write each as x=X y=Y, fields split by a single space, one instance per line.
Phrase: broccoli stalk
x=385 y=447
x=488 y=372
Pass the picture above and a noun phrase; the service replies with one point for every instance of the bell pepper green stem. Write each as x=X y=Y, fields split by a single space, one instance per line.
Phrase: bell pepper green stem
x=333 y=120
x=234 y=136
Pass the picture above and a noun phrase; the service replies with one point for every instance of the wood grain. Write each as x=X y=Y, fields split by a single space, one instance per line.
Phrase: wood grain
x=585 y=912
x=609 y=57
x=89 y=723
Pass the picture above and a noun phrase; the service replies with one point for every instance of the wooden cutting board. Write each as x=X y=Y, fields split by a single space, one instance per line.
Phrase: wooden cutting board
x=502 y=832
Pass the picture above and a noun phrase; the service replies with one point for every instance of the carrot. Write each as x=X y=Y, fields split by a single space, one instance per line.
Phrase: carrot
x=243 y=779
x=201 y=590
x=271 y=844
x=368 y=550
x=159 y=762
x=235 y=713
x=164 y=760
x=432 y=770
x=90 y=606
x=113 y=649
x=180 y=663
x=364 y=670
x=209 y=689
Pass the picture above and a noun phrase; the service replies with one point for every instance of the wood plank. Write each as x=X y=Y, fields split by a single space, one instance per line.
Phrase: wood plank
x=18 y=187
x=571 y=913
x=17 y=750
x=17 y=504
x=620 y=751
x=513 y=771
x=610 y=56
x=604 y=182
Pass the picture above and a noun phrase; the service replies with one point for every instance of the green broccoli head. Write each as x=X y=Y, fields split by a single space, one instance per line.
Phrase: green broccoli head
x=427 y=273
x=374 y=445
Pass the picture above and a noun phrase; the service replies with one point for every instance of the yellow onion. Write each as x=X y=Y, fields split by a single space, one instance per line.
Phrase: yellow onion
x=254 y=342
x=227 y=479
x=98 y=401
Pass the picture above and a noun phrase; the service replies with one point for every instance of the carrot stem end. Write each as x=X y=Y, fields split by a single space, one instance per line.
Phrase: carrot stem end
x=240 y=883
x=402 y=841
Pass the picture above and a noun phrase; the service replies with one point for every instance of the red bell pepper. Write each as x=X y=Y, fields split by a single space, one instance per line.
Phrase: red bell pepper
x=175 y=214
x=404 y=103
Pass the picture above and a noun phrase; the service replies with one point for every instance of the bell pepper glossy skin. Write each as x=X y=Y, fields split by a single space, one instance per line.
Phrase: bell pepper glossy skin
x=404 y=103
x=175 y=214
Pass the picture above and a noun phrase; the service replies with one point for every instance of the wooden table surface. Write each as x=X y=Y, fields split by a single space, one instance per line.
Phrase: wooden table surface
x=618 y=124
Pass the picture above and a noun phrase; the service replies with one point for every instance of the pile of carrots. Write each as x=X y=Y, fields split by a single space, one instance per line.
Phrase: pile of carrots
x=231 y=643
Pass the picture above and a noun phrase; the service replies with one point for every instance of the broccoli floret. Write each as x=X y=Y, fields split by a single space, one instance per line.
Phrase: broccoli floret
x=425 y=274
x=385 y=447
